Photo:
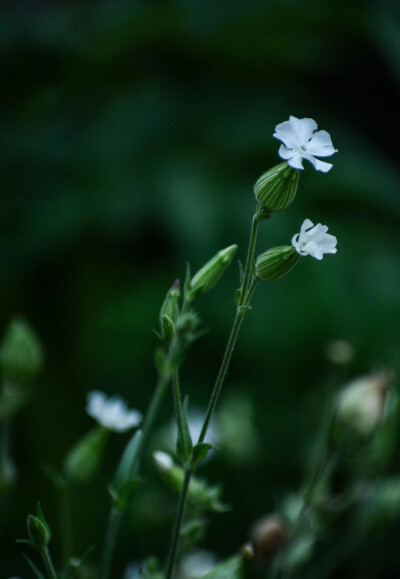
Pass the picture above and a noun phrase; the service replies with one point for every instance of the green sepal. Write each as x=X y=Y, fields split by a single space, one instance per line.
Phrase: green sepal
x=277 y=188
x=200 y=451
x=184 y=444
x=38 y=574
x=21 y=353
x=206 y=278
x=232 y=568
x=276 y=262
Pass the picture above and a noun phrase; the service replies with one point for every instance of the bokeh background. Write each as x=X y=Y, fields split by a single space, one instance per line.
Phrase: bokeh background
x=132 y=133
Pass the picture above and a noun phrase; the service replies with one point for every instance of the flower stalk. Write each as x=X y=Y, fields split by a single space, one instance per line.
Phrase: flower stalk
x=246 y=293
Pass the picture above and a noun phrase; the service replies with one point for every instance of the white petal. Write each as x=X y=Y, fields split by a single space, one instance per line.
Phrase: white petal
x=284 y=132
x=285 y=153
x=303 y=128
x=296 y=162
x=307 y=223
x=319 y=165
x=321 y=145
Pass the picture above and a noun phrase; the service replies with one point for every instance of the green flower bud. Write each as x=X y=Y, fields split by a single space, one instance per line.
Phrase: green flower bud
x=38 y=530
x=84 y=459
x=211 y=272
x=276 y=188
x=276 y=262
x=21 y=354
x=169 y=312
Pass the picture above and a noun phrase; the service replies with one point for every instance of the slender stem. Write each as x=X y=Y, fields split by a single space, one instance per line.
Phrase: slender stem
x=111 y=537
x=48 y=563
x=222 y=371
x=245 y=297
x=178 y=523
x=250 y=253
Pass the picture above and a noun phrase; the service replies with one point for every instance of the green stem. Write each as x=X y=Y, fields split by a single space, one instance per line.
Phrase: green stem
x=173 y=553
x=111 y=538
x=48 y=563
x=246 y=294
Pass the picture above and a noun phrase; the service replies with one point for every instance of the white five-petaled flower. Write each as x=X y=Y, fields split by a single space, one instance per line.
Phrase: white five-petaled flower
x=112 y=413
x=301 y=140
x=314 y=240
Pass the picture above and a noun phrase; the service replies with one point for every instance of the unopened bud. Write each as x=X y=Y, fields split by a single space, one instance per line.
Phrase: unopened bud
x=169 y=312
x=361 y=405
x=38 y=530
x=84 y=459
x=269 y=535
x=211 y=272
x=276 y=188
x=21 y=353
x=276 y=262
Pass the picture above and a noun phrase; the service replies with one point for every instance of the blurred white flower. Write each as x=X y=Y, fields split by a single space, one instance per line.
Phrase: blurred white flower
x=362 y=403
x=112 y=413
x=195 y=565
x=314 y=240
x=301 y=140
x=163 y=460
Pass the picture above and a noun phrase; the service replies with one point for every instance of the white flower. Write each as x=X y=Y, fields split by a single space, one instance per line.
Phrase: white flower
x=301 y=140
x=314 y=240
x=112 y=413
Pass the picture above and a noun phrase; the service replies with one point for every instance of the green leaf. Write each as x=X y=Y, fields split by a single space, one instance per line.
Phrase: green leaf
x=233 y=568
x=184 y=443
x=122 y=496
x=200 y=452
x=33 y=567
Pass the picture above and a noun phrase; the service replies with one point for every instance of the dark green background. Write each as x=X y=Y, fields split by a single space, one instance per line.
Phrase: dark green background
x=132 y=133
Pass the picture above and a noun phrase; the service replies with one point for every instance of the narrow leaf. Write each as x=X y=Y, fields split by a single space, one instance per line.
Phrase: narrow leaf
x=200 y=452
x=33 y=567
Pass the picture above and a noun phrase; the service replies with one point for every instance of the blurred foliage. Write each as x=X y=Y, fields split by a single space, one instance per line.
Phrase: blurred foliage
x=132 y=134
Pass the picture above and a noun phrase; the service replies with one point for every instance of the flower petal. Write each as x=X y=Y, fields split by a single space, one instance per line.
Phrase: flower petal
x=285 y=153
x=321 y=145
x=319 y=165
x=303 y=128
x=284 y=132
x=296 y=161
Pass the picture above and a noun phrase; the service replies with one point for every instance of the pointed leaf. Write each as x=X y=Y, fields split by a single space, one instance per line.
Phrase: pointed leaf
x=184 y=443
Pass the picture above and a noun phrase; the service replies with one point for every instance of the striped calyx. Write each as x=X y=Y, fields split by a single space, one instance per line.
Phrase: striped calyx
x=276 y=262
x=276 y=188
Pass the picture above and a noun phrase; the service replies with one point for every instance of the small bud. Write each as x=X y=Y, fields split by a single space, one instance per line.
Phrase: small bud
x=276 y=262
x=38 y=530
x=269 y=535
x=211 y=272
x=83 y=460
x=21 y=353
x=169 y=312
x=276 y=188
x=361 y=405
